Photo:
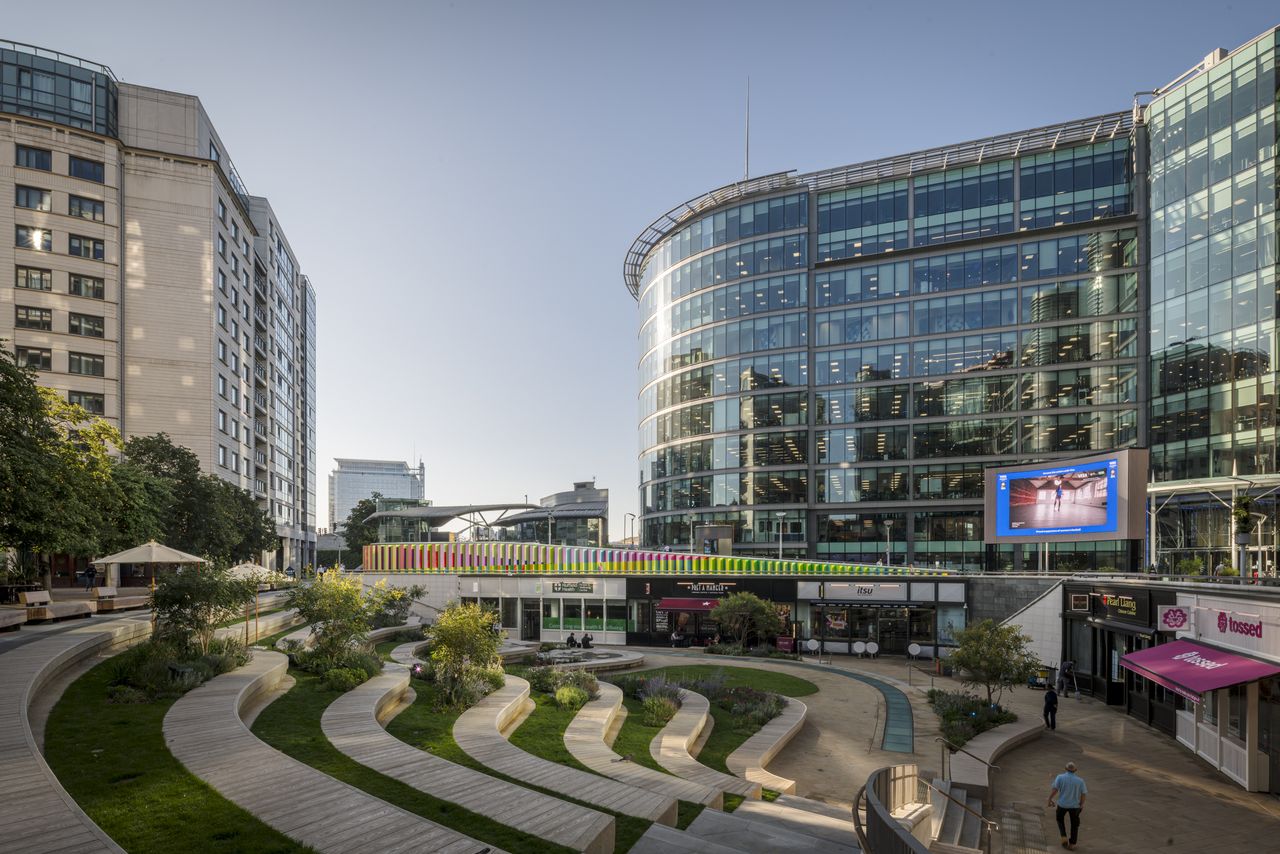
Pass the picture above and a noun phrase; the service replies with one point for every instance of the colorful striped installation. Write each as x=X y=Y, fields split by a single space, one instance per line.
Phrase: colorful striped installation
x=502 y=558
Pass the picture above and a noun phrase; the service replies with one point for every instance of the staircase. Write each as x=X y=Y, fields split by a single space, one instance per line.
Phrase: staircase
x=956 y=830
x=791 y=824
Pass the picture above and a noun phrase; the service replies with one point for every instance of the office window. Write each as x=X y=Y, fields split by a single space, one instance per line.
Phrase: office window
x=222 y=246
x=222 y=421
x=87 y=325
x=235 y=396
x=86 y=208
x=94 y=404
x=235 y=363
x=235 y=266
x=222 y=385
x=235 y=230
x=85 y=247
x=33 y=279
x=244 y=246
x=33 y=198
x=222 y=351
x=86 y=286
x=222 y=455
x=33 y=357
x=89 y=170
x=33 y=318
x=39 y=239
x=34 y=158
x=86 y=365
x=222 y=317
x=235 y=329
x=222 y=210
x=222 y=281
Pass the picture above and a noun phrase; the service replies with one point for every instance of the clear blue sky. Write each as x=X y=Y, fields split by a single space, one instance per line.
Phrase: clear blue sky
x=461 y=180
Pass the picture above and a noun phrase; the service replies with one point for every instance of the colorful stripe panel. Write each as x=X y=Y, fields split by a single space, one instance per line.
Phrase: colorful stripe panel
x=501 y=558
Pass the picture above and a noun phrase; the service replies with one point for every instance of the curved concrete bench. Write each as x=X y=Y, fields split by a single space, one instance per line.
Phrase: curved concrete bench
x=268 y=625
x=478 y=732
x=624 y=659
x=975 y=777
x=752 y=755
x=585 y=740
x=514 y=650
x=671 y=748
x=39 y=815
x=385 y=632
x=351 y=724
x=406 y=654
x=204 y=731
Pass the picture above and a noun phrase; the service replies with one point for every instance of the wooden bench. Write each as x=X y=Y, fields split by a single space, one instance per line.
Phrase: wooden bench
x=11 y=619
x=673 y=748
x=749 y=759
x=41 y=607
x=108 y=599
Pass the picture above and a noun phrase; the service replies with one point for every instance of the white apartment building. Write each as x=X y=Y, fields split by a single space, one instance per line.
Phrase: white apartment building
x=145 y=283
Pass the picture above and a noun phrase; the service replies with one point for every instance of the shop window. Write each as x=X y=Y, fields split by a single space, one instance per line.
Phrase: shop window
x=594 y=615
x=510 y=617
x=615 y=617
x=572 y=615
x=1237 y=710
x=921 y=629
x=1209 y=709
x=551 y=613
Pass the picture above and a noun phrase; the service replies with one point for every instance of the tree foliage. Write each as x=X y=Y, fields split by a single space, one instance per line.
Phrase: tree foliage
x=464 y=645
x=338 y=611
x=744 y=617
x=358 y=531
x=192 y=602
x=993 y=657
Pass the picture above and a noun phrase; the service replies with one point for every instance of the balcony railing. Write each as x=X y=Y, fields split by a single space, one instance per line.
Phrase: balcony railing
x=260 y=428
x=261 y=316
x=260 y=459
x=260 y=400
x=260 y=372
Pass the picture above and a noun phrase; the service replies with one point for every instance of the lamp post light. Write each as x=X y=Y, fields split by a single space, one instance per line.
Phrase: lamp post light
x=634 y=524
x=548 y=527
x=781 y=515
x=888 y=547
x=692 y=522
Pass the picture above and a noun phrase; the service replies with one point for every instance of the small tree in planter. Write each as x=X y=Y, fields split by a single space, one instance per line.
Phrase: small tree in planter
x=191 y=603
x=993 y=657
x=464 y=651
x=745 y=616
x=338 y=611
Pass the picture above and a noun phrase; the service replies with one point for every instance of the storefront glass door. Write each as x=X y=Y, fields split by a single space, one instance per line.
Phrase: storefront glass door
x=1269 y=729
x=894 y=631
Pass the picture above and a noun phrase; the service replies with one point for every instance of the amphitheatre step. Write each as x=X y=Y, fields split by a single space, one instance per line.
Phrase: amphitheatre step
x=351 y=723
x=40 y=817
x=660 y=839
x=406 y=654
x=761 y=836
x=478 y=731
x=752 y=755
x=203 y=730
x=585 y=740
x=670 y=748
x=836 y=830
x=814 y=806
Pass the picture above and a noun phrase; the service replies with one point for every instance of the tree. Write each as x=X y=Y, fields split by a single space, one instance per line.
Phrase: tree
x=357 y=530
x=337 y=610
x=993 y=657
x=464 y=646
x=140 y=513
x=86 y=492
x=745 y=616
x=29 y=506
x=192 y=602
x=390 y=605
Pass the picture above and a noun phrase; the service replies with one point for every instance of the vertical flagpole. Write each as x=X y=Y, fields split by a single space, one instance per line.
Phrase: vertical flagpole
x=746 y=166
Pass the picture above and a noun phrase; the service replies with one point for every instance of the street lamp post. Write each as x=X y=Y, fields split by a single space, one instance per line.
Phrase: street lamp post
x=692 y=522
x=781 y=515
x=548 y=527
x=634 y=524
x=888 y=547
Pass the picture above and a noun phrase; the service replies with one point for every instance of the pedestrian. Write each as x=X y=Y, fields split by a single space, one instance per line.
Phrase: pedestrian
x=1070 y=791
x=1050 y=708
x=90 y=575
x=1219 y=569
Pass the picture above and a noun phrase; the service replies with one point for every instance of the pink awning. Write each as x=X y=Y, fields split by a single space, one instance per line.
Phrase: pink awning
x=1191 y=669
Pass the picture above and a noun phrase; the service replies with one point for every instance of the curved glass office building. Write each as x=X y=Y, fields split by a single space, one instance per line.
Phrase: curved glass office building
x=831 y=359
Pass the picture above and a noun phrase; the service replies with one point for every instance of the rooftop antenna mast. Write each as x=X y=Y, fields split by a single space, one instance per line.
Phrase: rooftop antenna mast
x=746 y=166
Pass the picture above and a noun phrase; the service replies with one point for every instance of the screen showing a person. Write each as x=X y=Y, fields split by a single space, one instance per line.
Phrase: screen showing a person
x=1079 y=499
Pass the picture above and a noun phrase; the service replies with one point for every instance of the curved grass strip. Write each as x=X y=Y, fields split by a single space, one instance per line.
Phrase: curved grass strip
x=291 y=724
x=112 y=759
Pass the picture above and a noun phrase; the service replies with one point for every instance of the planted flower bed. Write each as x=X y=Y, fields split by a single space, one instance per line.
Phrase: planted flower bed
x=964 y=716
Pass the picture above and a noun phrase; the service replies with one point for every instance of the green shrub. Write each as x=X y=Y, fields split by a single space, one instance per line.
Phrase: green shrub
x=125 y=694
x=658 y=710
x=962 y=716
x=343 y=679
x=493 y=678
x=583 y=680
x=546 y=647
x=571 y=697
x=544 y=680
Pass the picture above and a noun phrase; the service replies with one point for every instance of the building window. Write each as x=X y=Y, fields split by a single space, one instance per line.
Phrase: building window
x=222 y=421
x=31 y=357
x=87 y=325
x=34 y=158
x=39 y=239
x=222 y=455
x=94 y=404
x=222 y=246
x=86 y=247
x=222 y=317
x=222 y=210
x=235 y=396
x=33 y=279
x=35 y=87
x=33 y=198
x=213 y=152
x=33 y=318
x=222 y=351
x=1209 y=709
x=222 y=385
x=1237 y=711
x=81 y=97
x=86 y=208
x=235 y=462
x=86 y=286
x=86 y=365
x=235 y=363
x=89 y=170
x=235 y=230
x=235 y=329
x=222 y=281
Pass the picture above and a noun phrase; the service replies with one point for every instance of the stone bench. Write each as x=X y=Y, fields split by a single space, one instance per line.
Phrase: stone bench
x=40 y=816
x=406 y=654
x=11 y=619
x=513 y=650
x=40 y=607
x=975 y=777
x=479 y=732
x=267 y=625
x=204 y=731
x=752 y=755
x=108 y=599
x=585 y=739
x=351 y=723
x=671 y=748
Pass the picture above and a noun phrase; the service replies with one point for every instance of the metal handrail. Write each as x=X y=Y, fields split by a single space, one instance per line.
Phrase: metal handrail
x=955 y=748
x=991 y=825
x=858 y=828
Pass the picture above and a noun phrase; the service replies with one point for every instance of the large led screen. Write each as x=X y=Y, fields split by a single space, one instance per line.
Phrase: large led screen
x=1095 y=498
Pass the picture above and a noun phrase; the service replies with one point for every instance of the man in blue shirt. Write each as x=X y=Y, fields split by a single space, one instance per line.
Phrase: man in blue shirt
x=1070 y=791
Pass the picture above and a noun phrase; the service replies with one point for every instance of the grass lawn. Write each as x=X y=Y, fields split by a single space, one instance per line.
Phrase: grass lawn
x=292 y=724
x=635 y=735
x=113 y=761
x=269 y=641
x=240 y=620
x=383 y=648
x=766 y=680
x=542 y=733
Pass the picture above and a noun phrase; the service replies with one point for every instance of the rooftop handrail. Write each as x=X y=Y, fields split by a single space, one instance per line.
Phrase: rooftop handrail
x=58 y=56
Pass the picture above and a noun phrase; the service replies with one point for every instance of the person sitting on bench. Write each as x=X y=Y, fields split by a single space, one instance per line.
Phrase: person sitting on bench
x=586 y=641
x=571 y=641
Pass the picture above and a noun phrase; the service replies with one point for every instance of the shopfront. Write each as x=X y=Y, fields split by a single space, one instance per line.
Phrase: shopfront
x=1104 y=623
x=550 y=609
x=660 y=607
x=891 y=614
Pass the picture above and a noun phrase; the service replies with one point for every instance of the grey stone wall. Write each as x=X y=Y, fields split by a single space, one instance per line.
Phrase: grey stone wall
x=998 y=597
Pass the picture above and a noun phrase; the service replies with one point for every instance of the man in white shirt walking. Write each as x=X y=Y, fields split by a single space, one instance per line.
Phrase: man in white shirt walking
x=1070 y=792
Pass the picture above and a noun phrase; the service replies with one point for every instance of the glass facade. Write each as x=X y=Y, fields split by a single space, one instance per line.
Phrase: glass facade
x=58 y=88
x=851 y=391
x=1213 y=238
